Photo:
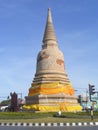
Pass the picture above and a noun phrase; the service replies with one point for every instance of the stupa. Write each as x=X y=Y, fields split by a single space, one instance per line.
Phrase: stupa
x=51 y=89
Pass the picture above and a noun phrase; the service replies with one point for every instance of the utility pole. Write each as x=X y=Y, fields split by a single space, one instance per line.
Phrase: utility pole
x=86 y=96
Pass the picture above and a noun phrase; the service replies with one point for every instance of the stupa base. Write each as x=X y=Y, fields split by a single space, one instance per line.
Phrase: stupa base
x=52 y=103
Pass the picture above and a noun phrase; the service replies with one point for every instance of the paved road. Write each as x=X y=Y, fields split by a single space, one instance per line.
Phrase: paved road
x=49 y=128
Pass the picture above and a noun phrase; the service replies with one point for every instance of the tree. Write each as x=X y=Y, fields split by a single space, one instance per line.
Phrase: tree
x=5 y=102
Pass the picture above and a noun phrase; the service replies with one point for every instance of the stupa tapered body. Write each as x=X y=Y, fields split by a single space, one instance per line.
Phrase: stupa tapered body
x=51 y=89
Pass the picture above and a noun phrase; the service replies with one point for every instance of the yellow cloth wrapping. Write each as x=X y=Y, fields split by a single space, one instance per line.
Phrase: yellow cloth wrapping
x=53 y=88
x=65 y=108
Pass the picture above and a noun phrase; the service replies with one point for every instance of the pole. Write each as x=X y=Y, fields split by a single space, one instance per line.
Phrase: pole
x=86 y=97
x=92 y=114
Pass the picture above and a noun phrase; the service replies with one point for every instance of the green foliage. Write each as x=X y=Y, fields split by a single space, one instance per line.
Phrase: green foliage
x=5 y=102
x=23 y=115
x=32 y=115
x=46 y=117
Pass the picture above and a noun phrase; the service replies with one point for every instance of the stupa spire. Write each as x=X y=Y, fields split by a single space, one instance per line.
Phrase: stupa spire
x=49 y=34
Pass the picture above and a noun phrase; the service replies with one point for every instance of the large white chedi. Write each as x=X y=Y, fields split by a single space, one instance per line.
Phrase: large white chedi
x=51 y=89
x=50 y=60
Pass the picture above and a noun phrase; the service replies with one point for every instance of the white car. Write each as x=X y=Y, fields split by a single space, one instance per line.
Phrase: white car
x=3 y=108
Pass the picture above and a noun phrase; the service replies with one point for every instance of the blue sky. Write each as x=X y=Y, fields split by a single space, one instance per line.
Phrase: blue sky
x=22 y=24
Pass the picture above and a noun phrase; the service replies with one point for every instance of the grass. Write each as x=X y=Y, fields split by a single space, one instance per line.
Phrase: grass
x=46 y=117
